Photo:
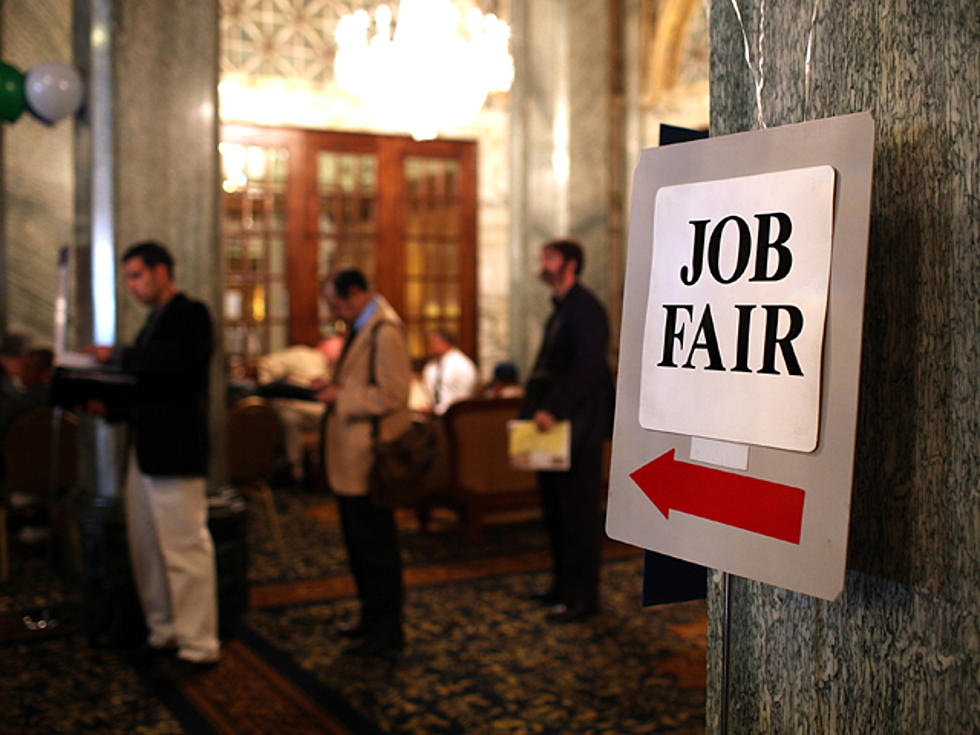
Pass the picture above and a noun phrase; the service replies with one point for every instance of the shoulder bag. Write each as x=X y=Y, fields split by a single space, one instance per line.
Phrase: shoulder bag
x=401 y=464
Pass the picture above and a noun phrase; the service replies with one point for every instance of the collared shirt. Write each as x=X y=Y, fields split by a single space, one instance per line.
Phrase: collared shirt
x=366 y=313
x=450 y=378
x=363 y=318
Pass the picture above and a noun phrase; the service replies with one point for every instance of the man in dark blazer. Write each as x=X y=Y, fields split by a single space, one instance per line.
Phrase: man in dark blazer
x=170 y=546
x=571 y=381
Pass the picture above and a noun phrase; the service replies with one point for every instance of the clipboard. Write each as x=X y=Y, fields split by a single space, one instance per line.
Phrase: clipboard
x=530 y=449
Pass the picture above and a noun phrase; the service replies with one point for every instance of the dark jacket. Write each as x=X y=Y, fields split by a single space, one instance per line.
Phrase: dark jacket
x=169 y=411
x=571 y=379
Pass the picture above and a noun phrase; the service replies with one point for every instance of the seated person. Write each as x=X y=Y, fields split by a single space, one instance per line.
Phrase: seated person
x=449 y=375
x=13 y=349
x=302 y=366
x=505 y=383
x=419 y=397
x=25 y=375
x=36 y=374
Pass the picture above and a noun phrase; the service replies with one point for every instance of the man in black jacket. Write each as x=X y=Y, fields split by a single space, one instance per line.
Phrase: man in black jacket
x=571 y=381
x=166 y=506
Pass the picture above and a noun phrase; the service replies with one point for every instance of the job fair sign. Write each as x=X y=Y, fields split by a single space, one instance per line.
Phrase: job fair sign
x=737 y=306
x=739 y=368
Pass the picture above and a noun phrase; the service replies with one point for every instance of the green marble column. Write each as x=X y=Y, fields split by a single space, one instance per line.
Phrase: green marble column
x=147 y=160
x=36 y=168
x=560 y=175
x=166 y=129
x=900 y=651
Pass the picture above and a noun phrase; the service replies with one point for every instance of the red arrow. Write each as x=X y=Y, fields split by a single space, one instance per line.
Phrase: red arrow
x=745 y=502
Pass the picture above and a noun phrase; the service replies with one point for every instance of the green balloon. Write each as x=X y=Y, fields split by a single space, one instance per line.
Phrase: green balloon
x=13 y=98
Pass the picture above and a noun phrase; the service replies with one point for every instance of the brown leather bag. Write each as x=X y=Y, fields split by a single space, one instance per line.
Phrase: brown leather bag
x=398 y=475
x=401 y=464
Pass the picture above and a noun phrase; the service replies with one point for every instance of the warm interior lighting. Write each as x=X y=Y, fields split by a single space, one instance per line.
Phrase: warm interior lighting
x=258 y=303
x=234 y=159
x=427 y=76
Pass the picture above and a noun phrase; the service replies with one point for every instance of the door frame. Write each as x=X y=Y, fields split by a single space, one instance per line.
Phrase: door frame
x=302 y=145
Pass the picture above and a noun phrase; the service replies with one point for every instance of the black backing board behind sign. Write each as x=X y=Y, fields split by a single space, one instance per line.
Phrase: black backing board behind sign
x=666 y=579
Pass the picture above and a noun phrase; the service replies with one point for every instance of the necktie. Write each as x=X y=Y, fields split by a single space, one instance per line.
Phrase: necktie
x=437 y=390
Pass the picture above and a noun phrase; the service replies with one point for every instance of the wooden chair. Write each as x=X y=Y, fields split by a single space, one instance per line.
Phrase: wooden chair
x=482 y=479
x=254 y=434
x=29 y=489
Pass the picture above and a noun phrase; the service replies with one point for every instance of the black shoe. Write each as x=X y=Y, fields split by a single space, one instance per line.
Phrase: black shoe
x=174 y=669
x=375 y=645
x=350 y=629
x=548 y=597
x=147 y=655
x=562 y=613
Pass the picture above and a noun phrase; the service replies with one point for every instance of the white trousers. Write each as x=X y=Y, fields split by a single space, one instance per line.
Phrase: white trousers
x=173 y=561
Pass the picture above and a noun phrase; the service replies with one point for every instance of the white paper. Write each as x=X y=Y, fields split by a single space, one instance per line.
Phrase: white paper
x=698 y=378
x=77 y=360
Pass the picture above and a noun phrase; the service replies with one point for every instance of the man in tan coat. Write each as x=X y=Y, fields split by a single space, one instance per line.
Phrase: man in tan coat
x=368 y=398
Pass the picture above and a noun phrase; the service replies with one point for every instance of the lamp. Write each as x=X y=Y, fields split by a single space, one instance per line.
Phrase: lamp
x=426 y=77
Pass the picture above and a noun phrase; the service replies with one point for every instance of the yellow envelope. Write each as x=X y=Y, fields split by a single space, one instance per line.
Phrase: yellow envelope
x=530 y=449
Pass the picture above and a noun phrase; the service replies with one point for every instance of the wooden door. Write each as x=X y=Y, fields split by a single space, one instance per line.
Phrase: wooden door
x=298 y=204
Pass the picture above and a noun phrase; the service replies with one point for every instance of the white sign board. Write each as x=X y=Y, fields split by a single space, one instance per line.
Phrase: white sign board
x=735 y=315
x=768 y=232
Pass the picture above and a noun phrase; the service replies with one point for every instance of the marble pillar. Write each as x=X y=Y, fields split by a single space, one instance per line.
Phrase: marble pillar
x=560 y=134
x=900 y=650
x=37 y=176
x=147 y=159
x=166 y=131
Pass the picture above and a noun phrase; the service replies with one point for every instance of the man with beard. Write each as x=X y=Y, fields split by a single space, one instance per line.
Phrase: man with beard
x=571 y=381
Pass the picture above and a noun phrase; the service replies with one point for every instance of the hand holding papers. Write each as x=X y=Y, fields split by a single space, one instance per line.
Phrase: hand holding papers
x=531 y=449
x=78 y=360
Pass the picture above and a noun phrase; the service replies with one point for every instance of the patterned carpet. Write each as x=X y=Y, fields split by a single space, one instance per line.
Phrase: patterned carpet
x=479 y=658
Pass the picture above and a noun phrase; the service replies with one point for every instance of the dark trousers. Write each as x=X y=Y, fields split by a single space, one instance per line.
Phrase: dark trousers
x=375 y=561
x=570 y=504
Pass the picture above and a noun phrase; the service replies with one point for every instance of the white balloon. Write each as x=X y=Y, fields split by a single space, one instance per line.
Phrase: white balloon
x=54 y=90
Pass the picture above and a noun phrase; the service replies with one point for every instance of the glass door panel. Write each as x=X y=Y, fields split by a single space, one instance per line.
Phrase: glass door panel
x=432 y=249
x=253 y=249
x=346 y=200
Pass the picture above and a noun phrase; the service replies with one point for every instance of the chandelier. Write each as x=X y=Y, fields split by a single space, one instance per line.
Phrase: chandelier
x=427 y=76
